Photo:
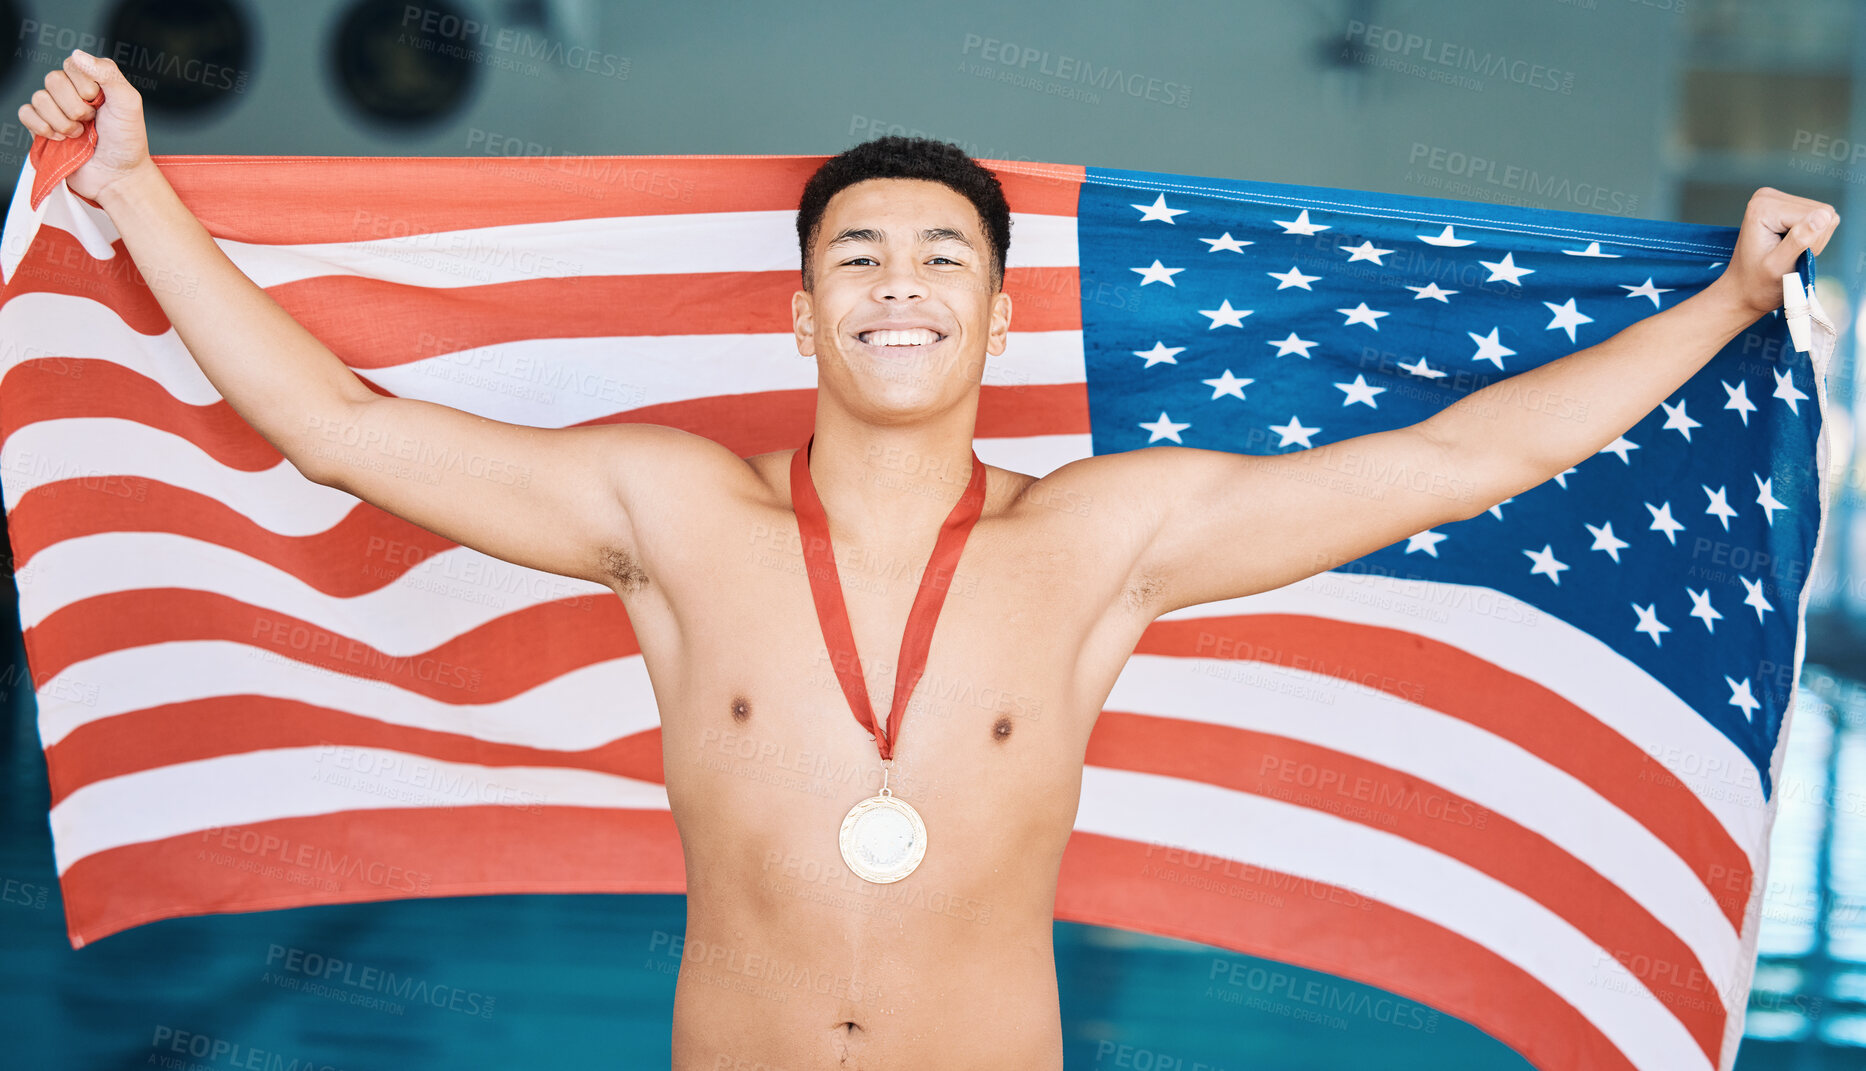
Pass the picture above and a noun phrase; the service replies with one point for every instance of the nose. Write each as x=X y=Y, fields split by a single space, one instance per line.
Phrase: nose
x=900 y=283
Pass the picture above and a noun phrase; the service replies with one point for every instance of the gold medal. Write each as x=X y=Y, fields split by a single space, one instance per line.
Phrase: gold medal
x=883 y=838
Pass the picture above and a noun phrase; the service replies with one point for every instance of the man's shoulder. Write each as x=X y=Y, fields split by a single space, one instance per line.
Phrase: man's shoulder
x=659 y=466
x=1100 y=485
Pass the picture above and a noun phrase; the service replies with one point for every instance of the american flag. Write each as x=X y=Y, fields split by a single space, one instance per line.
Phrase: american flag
x=1517 y=768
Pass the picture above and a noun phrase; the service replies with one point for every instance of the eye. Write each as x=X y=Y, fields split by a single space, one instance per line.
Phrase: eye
x=948 y=260
x=848 y=262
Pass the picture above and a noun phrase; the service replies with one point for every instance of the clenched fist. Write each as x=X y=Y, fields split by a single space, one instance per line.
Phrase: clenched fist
x=1776 y=227
x=60 y=110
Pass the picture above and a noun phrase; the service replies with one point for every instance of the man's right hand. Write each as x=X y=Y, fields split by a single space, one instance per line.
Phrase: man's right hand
x=60 y=110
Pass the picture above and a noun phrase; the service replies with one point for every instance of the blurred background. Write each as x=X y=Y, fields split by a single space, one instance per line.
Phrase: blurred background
x=1660 y=109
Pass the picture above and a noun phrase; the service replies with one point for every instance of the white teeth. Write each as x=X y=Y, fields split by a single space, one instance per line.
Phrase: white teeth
x=918 y=336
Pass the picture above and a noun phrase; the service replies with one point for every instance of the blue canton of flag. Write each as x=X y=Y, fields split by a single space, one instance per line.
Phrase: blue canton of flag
x=1263 y=318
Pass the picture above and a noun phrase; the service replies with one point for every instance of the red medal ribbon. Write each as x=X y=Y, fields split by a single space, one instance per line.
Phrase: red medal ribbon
x=833 y=614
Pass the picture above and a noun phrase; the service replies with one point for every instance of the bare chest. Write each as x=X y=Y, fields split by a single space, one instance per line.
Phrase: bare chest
x=762 y=749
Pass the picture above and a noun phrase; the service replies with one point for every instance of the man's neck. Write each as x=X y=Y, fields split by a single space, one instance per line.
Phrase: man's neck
x=889 y=484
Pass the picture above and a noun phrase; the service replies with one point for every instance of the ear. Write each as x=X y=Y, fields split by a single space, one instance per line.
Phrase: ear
x=803 y=322
x=1000 y=324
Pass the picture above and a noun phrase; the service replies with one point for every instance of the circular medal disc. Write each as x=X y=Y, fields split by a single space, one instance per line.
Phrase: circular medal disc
x=883 y=839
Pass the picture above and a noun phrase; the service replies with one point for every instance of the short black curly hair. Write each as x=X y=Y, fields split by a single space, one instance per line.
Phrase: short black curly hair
x=915 y=158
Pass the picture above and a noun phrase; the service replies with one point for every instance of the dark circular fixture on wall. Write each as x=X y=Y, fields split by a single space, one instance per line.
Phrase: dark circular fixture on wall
x=402 y=62
x=182 y=55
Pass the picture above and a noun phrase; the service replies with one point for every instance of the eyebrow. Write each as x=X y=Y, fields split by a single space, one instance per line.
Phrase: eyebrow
x=869 y=234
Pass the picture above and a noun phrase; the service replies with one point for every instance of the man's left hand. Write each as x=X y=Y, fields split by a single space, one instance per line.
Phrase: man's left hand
x=1776 y=228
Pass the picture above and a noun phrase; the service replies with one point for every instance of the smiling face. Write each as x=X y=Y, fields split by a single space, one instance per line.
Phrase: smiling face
x=903 y=310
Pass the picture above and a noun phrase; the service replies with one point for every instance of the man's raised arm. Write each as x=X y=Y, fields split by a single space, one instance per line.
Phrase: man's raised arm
x=1203 y=525
x=552 y=499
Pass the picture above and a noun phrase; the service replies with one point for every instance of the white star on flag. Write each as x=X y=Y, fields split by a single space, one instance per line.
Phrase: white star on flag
x=1227 y=384
x=1161 y=353
x=1765 y=497
x=1294 y=432
x=1164 y=428
x=1592 y=250
x=1786 y=390
x=1226 y=243
x=1427 y=541
x=1739 y=399
x=1620 y=445
x=1366 y=251
x=1423 y=370
x=1158 y=210
x=1718 y=507
x=1605 y=540
x=1359 y=391
x=1446 y=238
x=1545 y=563
x=1702 y=609
x=1505 y=270
x=1646 y=290
x=1158 y=273
x=1226 y=316
x=1677 y=420
x=1431 y=290
x=1300 y=225
x=1740 y=697
x=1361 y=314
x=1292 y=277
x=1489 y=348
x=1755 y=598
x=1662 y=522
x=1649 y=622
x=1292 y=344
x=1567 y=317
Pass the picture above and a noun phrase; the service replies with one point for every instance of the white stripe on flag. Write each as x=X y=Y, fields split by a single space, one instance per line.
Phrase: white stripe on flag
x=1522 y=639
x=554 y=383
x=583 y=708
x=440 y=598
x=280 y=499
x=262 y=786
x=689 y=243
x=1451 y=754
x=1396 y=871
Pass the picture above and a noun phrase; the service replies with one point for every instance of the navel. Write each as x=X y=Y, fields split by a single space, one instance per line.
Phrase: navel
x=741 y=709
x=1001 y=729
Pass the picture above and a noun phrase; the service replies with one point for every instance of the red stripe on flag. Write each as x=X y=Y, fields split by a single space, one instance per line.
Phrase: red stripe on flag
x=237 y=724
x=452 y=851
x=502 y=658
x=239 y=197
x=57 y=263
x=1515 y=708
x=1379 y=797
x=365 y=551
x=747 y=424
x=1108 y=881
x=1039 y=189
x=60 y=388
x=371 y=323
x=750 y=424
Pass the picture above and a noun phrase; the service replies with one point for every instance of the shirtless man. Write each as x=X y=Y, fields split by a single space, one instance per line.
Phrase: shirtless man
x=1046 y=606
